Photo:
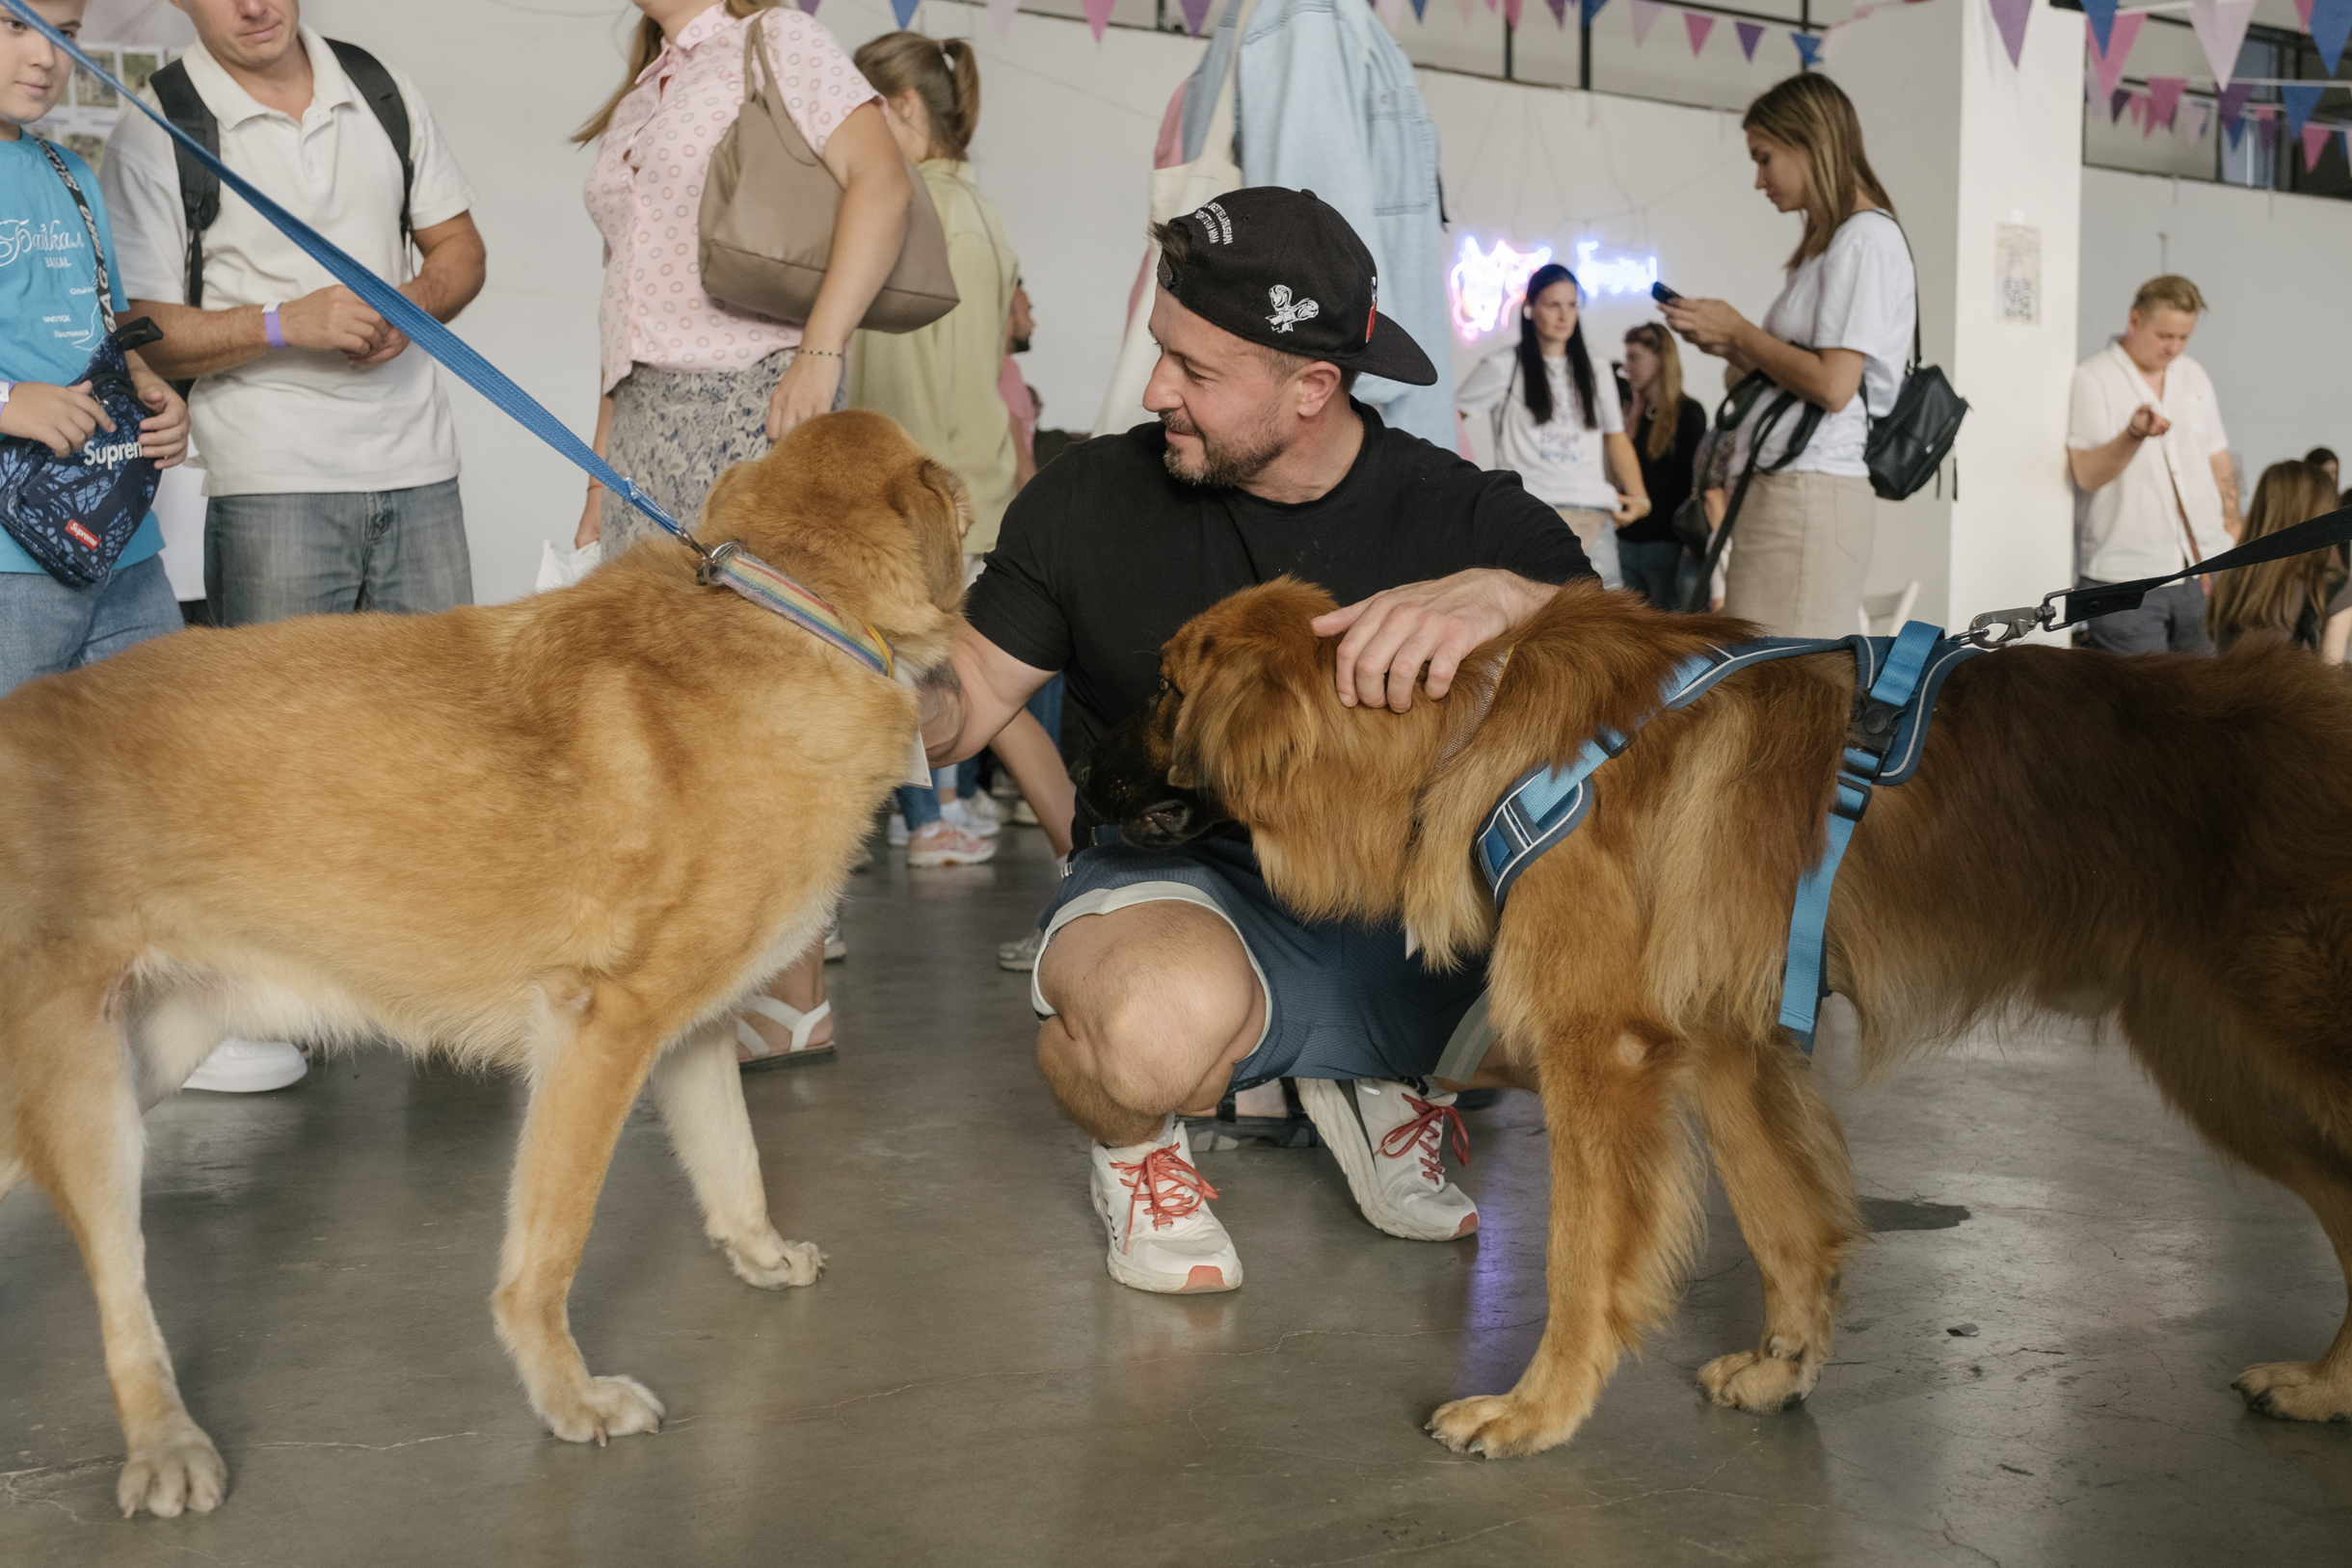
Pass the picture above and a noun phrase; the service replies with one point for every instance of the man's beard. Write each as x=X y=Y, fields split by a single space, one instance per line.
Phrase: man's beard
x=1223 y=465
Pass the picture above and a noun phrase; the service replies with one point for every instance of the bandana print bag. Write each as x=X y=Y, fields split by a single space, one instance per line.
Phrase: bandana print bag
x=74 y=513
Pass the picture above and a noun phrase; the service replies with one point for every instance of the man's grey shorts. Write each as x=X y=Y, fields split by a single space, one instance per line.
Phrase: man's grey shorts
x=1342 y=998
x=2170 y=620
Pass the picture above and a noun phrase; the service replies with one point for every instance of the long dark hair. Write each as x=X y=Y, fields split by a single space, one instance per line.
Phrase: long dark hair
x=1538 y=386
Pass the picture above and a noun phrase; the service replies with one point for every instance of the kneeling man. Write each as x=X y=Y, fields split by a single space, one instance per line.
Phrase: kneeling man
x=1170 y=978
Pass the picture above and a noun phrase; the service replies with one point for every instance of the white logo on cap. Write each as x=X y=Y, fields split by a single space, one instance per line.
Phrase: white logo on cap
x=1286 y=314
x=1214 y=218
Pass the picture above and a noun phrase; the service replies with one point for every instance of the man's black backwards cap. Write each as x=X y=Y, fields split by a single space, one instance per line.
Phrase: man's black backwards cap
x=1279 y=268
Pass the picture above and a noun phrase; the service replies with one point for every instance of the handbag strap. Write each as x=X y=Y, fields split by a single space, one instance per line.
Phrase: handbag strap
x=771 y=95
x=89 y=227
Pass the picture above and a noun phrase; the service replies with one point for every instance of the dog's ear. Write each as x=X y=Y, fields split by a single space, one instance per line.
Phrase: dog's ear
x=934 y=504
x=1253 y=722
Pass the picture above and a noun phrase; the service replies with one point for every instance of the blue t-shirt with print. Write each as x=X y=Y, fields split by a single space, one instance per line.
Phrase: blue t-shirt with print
x=49 y=319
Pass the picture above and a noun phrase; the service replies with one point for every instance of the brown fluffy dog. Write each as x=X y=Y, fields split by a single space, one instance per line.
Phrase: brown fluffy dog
x=2165 y=842
x=371 y=826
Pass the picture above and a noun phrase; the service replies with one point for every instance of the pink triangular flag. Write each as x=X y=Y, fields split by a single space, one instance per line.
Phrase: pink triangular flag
x=2139 y=114
x=1001 y=11
x=1750 y=35
x=1511 y=12
x=1468 y=9
x=2164 y=99
x=2314 y=142
x=1646 y=15
x=1698 y=24
x=2009 y=15
x=1098 y=16
x=2110 y=61
x=2221 y=30
x=2303 y=14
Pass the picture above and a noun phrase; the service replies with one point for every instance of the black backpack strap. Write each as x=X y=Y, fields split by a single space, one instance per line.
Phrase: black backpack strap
x=383 y=95
x=200 y=189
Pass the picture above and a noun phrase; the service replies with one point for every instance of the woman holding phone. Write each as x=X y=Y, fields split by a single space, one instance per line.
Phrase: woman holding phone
x=1834 y=340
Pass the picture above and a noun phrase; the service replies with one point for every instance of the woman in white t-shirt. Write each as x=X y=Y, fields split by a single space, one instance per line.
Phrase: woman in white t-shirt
x=1557 y=424
x=1836 y=337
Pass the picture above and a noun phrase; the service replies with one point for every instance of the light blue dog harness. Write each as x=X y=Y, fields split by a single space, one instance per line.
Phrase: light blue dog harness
x=1896 y=680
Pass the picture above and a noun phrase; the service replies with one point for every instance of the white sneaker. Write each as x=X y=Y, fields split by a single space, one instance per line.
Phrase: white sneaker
x=977 y=821
x=1163 y=1237
x=1020 y=955
x=248 y=1067
x=944 y=843
x=895 y=833
x=1388 y=1136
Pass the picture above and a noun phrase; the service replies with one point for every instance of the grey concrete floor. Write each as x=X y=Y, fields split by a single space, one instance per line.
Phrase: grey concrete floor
x=966 y=1385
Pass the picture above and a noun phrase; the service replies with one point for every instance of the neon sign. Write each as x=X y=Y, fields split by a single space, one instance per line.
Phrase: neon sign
x=1484 y=286
x=1612 y=275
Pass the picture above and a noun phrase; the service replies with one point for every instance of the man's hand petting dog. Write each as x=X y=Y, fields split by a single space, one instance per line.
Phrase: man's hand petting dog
x=1389 y=637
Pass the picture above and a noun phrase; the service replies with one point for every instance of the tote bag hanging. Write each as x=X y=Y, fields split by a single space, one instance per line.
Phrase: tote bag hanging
x=1174 y=191
x=769 y=206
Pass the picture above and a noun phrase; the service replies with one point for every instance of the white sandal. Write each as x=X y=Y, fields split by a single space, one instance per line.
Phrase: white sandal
x=802 y=1025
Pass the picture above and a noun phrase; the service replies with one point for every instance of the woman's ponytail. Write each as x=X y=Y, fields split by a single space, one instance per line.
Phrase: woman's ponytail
x=944 y=74
x=964 y=72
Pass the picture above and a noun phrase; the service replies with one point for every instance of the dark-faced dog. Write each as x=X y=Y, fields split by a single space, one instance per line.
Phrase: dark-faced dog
x=2161 y=842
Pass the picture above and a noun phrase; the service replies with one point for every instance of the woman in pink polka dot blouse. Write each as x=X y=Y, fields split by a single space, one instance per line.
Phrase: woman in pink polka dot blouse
x=691 y=386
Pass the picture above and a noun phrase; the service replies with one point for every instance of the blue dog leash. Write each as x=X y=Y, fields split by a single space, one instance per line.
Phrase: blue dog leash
x=1896 y=681
x=726 y=567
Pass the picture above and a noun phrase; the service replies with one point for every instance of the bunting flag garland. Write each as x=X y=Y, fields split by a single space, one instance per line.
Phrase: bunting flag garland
x=1468 y=9
x=1196 y=15
x=2269 y=133
x=905 y=11
x=1421 y=9
x=2220 y=31
x=2103 y=20
x=2314 y=142
x=2303 y=14
x=1098 y=14
x=2329 y=25
x=2231 y=104
x=1511 y=14
x=1753 y=33
x=1001 y=13
x=2164 y=100
x=1698 y=24
x=2300 y=102
x=1646 y=15
x=1593 y=9
x=809 y=6
x=2009 y=15
x=1808 y=48
x=2108 y=62
x=2116 y=101
x=1560 y=14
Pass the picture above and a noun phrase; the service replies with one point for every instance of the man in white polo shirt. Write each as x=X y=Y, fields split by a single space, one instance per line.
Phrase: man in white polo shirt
x=2153 y=487
x=330 y=459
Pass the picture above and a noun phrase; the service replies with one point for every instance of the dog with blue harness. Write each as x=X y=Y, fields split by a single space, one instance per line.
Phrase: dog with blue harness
x=1669 y=838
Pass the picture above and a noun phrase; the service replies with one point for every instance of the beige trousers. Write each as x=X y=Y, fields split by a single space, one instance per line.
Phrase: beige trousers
x=1800 y=553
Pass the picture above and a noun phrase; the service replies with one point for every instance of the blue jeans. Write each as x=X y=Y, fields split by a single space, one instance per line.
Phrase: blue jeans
x=267 y=557
x=919 y=807
x=46 y=627
x=1651 y=565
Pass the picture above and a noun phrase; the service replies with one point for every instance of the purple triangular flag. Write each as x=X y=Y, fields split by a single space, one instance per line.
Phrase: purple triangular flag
x=2331 y=25
x=2102 y=19
x=2231 y=103
x=809 y=6
x=1808 y=48
x=1751 y=33
x=2164 y=99
x=1698 y=24
x=2116 y=102
x=1646 y=15
x=1196 y=15
x=1560 y=14
x=2300 y=102
x=2009 y=15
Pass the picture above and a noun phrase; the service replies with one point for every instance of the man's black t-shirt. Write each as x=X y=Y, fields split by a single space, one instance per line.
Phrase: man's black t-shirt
x=1106 y=553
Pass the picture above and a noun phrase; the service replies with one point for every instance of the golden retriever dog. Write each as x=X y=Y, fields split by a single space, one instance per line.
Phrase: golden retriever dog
x=2162 y=842
x=352 y=828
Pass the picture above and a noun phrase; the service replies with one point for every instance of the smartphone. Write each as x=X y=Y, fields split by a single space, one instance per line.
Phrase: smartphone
x=1662 y=294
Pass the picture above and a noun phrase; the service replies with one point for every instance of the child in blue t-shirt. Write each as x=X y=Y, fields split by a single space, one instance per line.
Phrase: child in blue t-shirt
x=49 y=326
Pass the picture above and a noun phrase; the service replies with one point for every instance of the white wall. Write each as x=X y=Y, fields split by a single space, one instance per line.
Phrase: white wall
x=2272 y=266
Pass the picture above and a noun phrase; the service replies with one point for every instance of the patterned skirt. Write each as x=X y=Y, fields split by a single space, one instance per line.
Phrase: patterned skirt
x=675 y=432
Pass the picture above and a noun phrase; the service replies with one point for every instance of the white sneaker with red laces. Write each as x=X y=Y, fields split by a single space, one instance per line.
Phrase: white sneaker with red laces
x=1388 y=1136
x=1152 y=1202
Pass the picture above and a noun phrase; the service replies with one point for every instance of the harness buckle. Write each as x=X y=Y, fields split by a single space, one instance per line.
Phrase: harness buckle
x=1872 y=727
x=707 y=567
x=1997 y=628
x=1851 y=796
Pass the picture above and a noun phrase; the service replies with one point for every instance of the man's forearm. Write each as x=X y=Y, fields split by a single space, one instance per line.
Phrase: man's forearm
x=2225 y=480
x=198 y=342
x=452 y=275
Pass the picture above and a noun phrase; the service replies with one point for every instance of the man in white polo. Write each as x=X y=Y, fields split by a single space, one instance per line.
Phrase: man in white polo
x=2154 y=489
x=330 y=458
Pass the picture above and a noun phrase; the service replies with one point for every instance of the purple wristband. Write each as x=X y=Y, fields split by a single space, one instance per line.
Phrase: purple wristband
x=270 y=328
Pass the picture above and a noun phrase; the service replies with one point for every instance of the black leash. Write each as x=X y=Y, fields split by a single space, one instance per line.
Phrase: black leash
x=1995 y=627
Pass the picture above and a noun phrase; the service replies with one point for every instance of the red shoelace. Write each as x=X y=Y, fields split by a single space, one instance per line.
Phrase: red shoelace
x=1428 y=1128
x=1165 y=1186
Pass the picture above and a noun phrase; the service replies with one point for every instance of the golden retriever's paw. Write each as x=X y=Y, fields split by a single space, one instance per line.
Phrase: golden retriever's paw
x=606 y=1407
x=2293 y=1391
x=1500 y=1426
x=176 y=1469
x=1752 y=1381
x=773 y=1263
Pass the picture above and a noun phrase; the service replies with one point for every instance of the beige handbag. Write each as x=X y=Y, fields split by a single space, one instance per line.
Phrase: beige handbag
x=769 y=204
